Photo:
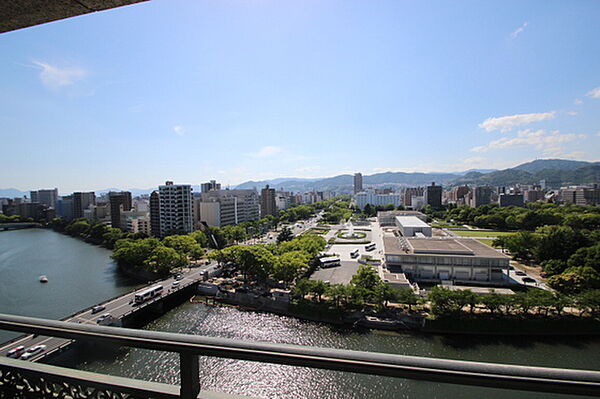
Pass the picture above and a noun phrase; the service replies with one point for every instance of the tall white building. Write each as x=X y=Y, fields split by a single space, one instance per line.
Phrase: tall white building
x=176 y=215
x=226 y=207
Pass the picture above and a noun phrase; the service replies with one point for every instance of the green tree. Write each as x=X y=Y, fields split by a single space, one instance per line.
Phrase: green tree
x=407 y=296
x=367 y=279
x=288 y=265
x=200 y=237
x=589 y=257
x=285 y=235
x=383 y=294
x=163 y=260
x=575 y=280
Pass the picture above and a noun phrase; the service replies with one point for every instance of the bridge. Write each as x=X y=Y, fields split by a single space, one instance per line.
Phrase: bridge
x=121 y=308
x=23 y=379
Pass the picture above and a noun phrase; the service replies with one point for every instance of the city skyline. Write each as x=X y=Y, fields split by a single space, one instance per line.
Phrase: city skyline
x=190 y=91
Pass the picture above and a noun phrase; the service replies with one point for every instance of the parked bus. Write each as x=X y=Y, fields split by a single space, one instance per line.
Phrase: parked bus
x=330 y=261
x=149 y=293
x=355 y=253
x=370 y=247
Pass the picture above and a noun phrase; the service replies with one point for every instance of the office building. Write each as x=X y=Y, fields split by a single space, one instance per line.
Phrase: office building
x=431 y=259
x=358 y=183
x=511 y=199
x=581 y=195
x=267 y=202
x=155 y=214
x=139 y=224
x=210 y=186
x=46 y=197
x=226 y=207
x=175 y=203
x=370 y=197
x=409 y=193
x=81 y=201
x=481 y=195
x=433 y=196
x=119 y=202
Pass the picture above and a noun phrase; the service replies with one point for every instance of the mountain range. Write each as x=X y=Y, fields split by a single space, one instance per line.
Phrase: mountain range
x=557 y=170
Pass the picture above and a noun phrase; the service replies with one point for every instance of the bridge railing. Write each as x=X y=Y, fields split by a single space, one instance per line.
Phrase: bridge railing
x=189 y=347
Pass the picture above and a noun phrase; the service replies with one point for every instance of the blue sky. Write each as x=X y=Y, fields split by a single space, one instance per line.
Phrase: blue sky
x=253 y=89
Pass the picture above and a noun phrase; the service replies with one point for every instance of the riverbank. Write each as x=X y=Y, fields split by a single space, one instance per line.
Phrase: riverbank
x=481 y=325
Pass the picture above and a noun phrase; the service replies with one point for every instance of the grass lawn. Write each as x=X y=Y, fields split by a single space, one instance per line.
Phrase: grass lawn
x=481 y=233
x=445 y=225
x=487 y=241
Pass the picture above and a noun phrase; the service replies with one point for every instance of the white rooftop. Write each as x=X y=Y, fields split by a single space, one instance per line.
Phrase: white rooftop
x=411 y=221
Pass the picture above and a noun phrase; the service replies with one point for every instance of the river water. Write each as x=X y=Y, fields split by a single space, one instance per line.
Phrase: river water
x=78 y=264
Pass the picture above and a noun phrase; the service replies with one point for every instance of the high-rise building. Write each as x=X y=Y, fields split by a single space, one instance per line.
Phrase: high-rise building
x=267 y=202
x=210 y=186
x=433 y=196
x=82 y=201
x=119 y=201
x=481 y=195
x=155 y=213
x=358 y=183
x=581 y=195
x=176 y=214
x=46 y=197
x=64 y=207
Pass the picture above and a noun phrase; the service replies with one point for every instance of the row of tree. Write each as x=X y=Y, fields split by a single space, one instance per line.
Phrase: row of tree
x=530 y=217
x=365 y=289
x=446 y=302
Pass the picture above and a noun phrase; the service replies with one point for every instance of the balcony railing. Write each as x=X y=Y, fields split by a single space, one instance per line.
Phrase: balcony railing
x=25 y=379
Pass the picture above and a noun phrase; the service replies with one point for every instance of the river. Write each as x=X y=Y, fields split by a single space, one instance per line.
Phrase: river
x=28 y=248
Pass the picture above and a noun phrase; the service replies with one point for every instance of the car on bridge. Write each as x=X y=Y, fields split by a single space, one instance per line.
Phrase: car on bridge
x=33 y=351
x=15 y=352
x=98 y=309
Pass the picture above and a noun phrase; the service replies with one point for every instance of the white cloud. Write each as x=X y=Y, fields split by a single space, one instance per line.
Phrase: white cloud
x=572 y=113
x=506 y=123
x=578 y=101
x=594 y=93
x=549 y=142
x=598 y=134
x=519 y=30
x=179 y=130
x=54 y=77
x=266 y=152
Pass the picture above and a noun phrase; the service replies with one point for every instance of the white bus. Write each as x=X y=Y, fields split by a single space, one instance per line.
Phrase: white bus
x=370 y=247
x=330 y=261
x=355 y=253
x=149 y=293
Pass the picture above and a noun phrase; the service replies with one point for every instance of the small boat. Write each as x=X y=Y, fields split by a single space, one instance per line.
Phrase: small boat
x=43 y=279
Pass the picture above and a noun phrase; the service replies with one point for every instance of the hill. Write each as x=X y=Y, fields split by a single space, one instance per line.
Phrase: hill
x=554 y=164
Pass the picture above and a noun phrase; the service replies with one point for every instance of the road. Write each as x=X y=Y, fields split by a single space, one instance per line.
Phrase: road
x=117 y=307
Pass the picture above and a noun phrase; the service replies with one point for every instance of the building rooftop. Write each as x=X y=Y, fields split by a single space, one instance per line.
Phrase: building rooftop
x=439 y=247
x=418 y=214
x=411 y=221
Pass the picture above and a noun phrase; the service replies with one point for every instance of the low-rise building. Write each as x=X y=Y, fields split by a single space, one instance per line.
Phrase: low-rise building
x=458 y=259
x=388 y=218
x=411 y=226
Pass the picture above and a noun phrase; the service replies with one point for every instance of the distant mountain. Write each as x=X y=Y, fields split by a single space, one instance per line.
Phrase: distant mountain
x=554 y=164
x=345 y=182
x=464 y=172
x=508 y=177
x=12 y=193
x=273 y=182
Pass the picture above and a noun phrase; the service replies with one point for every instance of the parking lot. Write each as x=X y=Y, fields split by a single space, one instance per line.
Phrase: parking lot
x=348 y=266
